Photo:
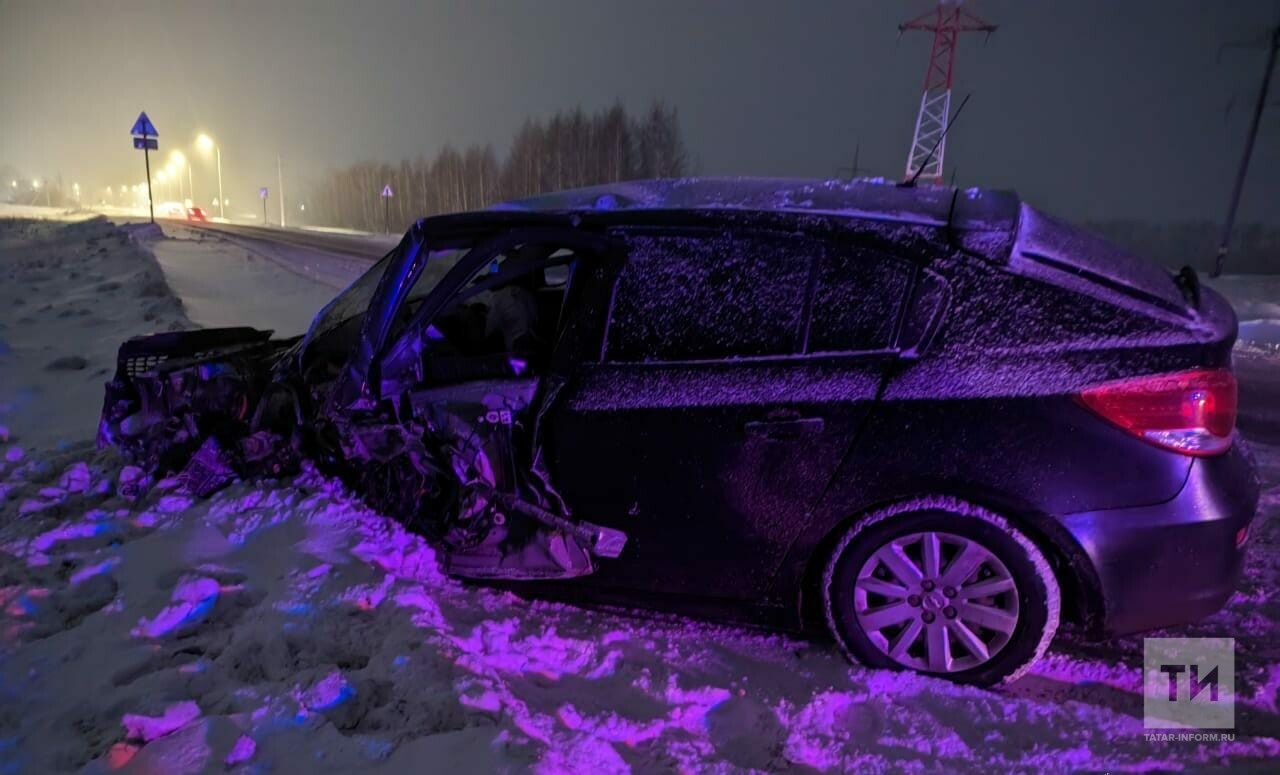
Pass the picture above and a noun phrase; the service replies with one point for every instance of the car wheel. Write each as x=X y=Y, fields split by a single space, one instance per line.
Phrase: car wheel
x=942 y=587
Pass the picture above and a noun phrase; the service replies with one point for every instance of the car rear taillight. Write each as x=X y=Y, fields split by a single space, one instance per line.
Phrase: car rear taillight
x=1191 y=412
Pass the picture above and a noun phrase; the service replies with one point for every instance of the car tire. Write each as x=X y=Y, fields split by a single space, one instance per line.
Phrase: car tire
x=942 y=587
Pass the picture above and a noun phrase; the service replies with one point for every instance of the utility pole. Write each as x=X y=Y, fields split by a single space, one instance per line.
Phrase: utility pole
x=946 y=22
x=280 y=180
x=855 y=169
x=1225 y=243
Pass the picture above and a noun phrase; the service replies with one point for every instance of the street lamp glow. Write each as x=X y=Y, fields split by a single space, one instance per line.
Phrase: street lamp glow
x=206 y=145
x=13 y=183
x=177 y=158
x=160 y=176
x=35 y=184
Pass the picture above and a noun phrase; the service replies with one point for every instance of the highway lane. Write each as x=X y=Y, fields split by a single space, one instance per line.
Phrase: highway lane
x=369 y=248
x=333 y=260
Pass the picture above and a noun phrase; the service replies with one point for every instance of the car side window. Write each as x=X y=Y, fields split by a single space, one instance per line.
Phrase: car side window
x=708 y=296
x=857 y=300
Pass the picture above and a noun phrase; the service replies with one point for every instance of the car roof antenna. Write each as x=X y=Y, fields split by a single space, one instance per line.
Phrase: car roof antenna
x=911 y=183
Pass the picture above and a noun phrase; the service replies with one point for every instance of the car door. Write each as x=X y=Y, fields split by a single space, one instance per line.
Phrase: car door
x=733 y=374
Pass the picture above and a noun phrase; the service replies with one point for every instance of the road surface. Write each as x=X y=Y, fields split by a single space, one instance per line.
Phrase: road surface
x=370 y=248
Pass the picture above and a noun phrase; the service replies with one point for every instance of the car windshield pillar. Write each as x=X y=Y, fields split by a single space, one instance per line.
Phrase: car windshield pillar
x=353 y=384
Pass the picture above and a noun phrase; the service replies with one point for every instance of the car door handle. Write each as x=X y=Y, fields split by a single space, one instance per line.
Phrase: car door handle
x=784 y=430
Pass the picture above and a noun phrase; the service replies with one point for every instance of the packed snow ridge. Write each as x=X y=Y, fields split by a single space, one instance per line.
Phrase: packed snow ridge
x=283 y=626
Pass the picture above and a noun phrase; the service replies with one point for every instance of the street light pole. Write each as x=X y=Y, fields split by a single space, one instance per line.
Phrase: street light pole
x=217 y=150
x=280 y=180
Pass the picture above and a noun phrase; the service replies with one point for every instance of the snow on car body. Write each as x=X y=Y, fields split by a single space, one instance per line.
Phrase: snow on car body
x=923 y=415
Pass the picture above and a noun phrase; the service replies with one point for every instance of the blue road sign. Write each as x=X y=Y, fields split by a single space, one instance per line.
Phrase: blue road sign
x=145 y=142
x=262 y=193
x=144 y=127
x=386 y=190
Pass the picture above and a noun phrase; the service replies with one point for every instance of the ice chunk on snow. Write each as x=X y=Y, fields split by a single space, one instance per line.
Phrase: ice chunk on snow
x=328 y=693
x=193 y=599
x=131 y=483
x=69 y=532
x=76 y=478
x=241 y=752
x=148 y=728
x=91 y=571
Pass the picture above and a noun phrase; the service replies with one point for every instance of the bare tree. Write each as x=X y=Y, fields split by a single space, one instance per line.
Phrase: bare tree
x=567 y=150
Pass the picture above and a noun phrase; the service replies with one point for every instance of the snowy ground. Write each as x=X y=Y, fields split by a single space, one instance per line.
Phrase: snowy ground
x=223 y=283
x=42 y=213
x=283 y=627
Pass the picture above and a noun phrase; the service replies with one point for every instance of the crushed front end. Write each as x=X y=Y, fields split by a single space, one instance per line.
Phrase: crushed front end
x=461 y=464
x=186 y=402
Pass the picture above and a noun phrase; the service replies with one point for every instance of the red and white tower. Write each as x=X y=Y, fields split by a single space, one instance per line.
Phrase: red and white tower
x=946 y=22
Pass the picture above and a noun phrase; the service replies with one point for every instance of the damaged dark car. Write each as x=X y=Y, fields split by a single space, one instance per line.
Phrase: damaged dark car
x=933 y=422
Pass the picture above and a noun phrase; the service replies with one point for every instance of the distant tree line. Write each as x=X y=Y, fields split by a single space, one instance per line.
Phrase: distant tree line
x=569 y=150
x=1255 y=247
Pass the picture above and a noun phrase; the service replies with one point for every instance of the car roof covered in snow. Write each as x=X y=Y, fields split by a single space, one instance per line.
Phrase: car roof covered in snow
x=864 y=198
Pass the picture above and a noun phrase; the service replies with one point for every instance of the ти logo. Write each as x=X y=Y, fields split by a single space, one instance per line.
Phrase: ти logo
x=1195 y=686
x=1189 y=683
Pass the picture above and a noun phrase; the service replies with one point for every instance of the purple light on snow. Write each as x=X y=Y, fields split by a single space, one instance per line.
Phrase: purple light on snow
x=193 y=599
x=241 y=752
x=97 y=569
x=148 y=728
x=327 y=693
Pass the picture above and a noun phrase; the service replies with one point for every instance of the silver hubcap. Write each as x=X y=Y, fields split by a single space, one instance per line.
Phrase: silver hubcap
x=936 y=602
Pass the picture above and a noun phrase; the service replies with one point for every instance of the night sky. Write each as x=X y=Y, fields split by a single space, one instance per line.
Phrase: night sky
x=1092 y=109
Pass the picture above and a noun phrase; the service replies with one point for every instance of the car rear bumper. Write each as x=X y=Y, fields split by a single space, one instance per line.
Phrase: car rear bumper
x=1177 y=561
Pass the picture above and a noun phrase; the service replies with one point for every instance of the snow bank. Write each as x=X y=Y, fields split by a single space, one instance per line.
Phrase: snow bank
x=244 y=283
x=39 y=212
x=1256 y=300
x=284 y=623
x=69 y=295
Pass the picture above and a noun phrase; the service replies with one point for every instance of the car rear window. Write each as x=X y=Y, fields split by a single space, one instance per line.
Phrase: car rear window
x=857 y=299
x=710 y=296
